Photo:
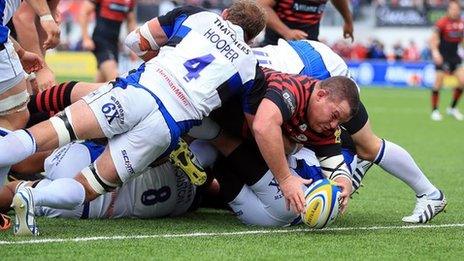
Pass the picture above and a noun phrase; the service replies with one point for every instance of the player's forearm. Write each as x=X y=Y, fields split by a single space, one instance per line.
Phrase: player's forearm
x=131 y=22
x=40 y=7
x=344 y=10
x=84 y=18
x=434 y=42
x=26 y=30
x=275 y=23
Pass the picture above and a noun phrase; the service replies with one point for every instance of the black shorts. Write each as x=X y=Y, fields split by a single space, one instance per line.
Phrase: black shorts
x=105 y=49
x=271 y=37
x=449 y=65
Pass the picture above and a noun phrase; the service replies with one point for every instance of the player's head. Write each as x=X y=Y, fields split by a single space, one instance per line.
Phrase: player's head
x=248 y=15
x=454 y=9
x=333 y=102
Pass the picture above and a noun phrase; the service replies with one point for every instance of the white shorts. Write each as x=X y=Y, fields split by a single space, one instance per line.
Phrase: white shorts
x=138 y=129
x=11 y=70
x=263 y=204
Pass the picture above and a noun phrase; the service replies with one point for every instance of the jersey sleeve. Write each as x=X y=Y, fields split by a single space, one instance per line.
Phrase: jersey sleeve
x=282 y=93
x=171 y=21
x=132 y=6
x=439 y=25
x=254 y=92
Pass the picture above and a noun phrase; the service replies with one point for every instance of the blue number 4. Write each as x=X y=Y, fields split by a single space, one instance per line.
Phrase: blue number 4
x=196 y=65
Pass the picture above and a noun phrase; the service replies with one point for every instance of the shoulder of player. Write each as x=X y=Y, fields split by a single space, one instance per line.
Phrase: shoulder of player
x=189 y=10
x=441 y=21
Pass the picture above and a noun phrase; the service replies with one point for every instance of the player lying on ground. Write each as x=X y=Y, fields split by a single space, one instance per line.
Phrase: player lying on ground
x=255 y=196
x=317 y=60
x=144 y=114
x=157 y=192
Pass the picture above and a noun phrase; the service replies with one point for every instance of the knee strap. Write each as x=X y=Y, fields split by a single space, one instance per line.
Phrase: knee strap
x=98 y=184
x=62 y=124
x=14 y=103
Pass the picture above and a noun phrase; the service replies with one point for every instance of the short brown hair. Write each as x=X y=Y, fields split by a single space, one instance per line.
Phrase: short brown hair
x=248 y=15
x=342 y=88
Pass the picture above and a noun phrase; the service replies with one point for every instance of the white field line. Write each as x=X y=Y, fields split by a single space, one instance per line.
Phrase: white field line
x=219 y=234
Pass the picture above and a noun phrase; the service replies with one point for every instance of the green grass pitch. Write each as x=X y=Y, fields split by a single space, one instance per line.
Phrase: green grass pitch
x=371 y=229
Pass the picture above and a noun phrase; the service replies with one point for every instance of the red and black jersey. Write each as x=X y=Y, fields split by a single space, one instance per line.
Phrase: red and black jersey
x=300 y=11
x=451 y=33
x=109 y=15
x=291 y=94
x=114 y=10
x=303 y=15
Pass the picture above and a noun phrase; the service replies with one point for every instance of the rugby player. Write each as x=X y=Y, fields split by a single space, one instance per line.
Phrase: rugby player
x=109 y=15
x=157 y=192
x=447 y=36
x=317 y=60
x=15 y=60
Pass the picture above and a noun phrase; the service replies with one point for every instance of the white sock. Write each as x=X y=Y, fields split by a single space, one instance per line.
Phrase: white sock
x=398 y=162
x=64 y=193
x=15 y=147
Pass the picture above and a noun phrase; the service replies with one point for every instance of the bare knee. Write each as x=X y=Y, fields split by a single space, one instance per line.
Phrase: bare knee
x=90 y=193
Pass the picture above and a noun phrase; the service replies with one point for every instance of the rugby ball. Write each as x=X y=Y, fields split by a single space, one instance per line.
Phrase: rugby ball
x=322 y=203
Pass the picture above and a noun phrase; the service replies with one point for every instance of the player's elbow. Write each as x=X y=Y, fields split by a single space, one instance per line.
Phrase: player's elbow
x=132 y=42
x=260 y=127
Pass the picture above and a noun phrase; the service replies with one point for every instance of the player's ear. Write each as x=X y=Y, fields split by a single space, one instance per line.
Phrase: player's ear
x=321 y=93
x=225 y=14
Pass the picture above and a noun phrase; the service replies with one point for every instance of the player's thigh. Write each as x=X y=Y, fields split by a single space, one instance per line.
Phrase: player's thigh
x=13 y=101
x=249 y=209
x=82 y=89
x=459 y=73
x=148 y=141
x=366 y=142
x=109 y=69
x=67 y=161
x=118 y=109
x=439 y=78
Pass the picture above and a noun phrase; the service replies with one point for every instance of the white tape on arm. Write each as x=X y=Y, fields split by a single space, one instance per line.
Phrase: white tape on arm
x=132 y=41
x=145 y=33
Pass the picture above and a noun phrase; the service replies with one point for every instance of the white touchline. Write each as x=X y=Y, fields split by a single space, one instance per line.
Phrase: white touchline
x=217 y=234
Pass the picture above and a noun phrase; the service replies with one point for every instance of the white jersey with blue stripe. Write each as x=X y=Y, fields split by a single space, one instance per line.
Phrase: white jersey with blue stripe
x=207 y=56
x=7 y=9
x=157 y=192
x=310 y=58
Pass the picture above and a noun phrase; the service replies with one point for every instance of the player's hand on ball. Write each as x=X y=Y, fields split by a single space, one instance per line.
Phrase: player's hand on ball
x=346 y=186
x=292 y=190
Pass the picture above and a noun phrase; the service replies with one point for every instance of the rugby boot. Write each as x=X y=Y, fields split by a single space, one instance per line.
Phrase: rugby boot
x=185 y=160
x=427 y=207
x=23 y=205
x=455 y=113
